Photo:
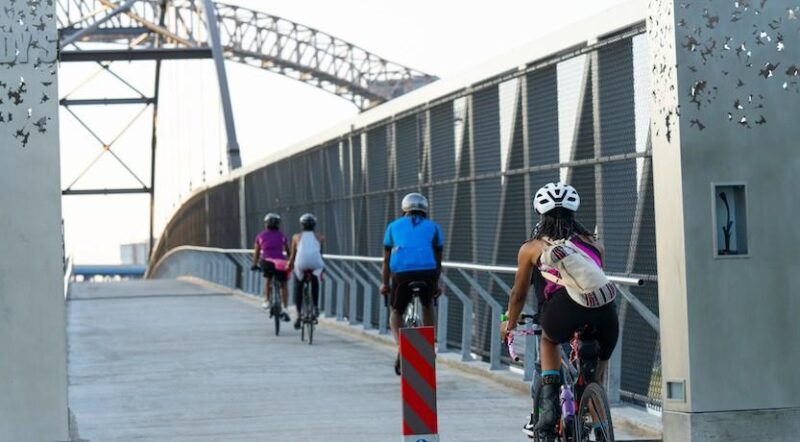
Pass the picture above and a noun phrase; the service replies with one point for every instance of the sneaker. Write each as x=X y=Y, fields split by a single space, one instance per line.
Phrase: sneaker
x=285 y=317
x=297 y=324
x=265 y=305
x=528 y=428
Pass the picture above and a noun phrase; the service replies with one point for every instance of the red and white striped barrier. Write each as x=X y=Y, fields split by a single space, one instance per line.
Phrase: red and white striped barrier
x=418 y=379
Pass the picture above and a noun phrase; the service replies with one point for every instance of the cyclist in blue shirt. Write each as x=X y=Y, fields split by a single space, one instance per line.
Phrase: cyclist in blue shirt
x=413 y=247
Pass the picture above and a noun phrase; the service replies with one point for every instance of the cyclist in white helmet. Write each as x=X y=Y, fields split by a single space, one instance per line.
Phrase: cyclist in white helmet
x=269 y=256
x=306 y=256
x=413 y=247
x=559 y=314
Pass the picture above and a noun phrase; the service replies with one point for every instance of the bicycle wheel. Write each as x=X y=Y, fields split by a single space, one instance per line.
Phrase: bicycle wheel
x=594 y=402
x=310 y=329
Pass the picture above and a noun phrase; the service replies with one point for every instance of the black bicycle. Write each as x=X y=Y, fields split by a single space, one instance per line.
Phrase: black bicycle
x=275 y=306
x=308 y=313
x=585 y=411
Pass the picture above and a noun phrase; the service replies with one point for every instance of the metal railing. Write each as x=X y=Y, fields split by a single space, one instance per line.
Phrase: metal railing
x=350 y=293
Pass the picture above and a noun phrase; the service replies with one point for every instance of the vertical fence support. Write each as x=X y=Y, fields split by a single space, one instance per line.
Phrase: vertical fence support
x=441 y=324
x=334 y=272
x=352 y=297
x=466 y=323
x=497 y=309
x=615 y=364
x=328 y=298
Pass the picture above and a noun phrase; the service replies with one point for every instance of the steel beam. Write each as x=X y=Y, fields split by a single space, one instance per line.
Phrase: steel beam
x=136 y=54
x=104 y=191
x=234 y=159
x=107 y=101
x=88 y=30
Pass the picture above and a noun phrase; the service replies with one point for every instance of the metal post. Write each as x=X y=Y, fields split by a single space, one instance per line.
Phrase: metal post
x=615 y=364
x=328 y=299
x=234 y=160
x=466 y=323
x=441 y=325
x=353 y=298
x=494 y=345
x=334 y=272
x=531 y=356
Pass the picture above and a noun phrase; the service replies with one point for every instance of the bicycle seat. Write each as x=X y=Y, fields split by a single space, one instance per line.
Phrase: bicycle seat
x=417 y=286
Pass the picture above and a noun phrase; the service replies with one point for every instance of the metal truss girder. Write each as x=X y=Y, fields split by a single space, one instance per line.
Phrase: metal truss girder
x=136 y=54
x=104 y=191
x=247 y=36
x=106 y=101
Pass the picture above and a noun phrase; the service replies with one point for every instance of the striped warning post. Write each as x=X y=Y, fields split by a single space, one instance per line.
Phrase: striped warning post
x=418 y=367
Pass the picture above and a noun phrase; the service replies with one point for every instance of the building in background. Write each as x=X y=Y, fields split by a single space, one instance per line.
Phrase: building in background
x=134 y=253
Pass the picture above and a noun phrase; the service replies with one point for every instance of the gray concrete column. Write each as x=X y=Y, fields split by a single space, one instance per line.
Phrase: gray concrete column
x=33 y=370
x=725 y=108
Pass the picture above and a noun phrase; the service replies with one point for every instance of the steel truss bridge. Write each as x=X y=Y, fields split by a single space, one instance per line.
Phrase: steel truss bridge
x=105 y=31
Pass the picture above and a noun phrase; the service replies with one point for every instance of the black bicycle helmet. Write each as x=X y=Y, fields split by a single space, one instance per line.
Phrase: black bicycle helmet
x=308 y=221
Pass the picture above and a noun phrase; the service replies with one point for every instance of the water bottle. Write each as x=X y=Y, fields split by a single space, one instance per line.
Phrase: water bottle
x=567 y=403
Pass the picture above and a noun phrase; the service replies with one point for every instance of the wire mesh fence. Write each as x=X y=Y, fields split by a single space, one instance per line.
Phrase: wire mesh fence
x=478 y=154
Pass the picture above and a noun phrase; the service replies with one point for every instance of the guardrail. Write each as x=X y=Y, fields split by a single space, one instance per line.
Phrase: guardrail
x=350 y=293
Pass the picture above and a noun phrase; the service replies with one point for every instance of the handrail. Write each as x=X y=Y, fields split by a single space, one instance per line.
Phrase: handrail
x=624 y=280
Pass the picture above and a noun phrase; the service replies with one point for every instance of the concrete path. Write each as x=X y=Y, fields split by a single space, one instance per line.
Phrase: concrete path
x=171 y=361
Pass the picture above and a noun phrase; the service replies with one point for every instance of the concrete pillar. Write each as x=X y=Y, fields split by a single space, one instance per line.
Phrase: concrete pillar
x=725 y=108
x=33 y=370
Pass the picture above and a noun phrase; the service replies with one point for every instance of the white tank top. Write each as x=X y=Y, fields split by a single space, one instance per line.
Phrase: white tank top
x=308 y=254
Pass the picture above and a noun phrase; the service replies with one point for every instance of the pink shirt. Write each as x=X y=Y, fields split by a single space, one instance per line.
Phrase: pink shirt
x=272 y=244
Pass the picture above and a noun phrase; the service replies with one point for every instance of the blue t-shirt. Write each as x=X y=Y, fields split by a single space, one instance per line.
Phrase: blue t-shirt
x=412 y=240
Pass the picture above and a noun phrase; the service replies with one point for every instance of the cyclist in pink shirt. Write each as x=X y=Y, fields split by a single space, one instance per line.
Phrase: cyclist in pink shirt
x=269 y=255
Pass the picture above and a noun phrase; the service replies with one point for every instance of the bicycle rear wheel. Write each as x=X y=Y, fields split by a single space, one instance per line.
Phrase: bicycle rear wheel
x=594 y=400
x=310 y=330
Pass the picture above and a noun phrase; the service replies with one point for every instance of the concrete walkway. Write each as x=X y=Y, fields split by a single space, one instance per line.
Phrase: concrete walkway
x=172 y=361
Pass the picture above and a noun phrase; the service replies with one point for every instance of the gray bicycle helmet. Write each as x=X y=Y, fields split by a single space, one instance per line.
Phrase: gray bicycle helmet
x=415 y=202
x=272 y=220
x=308 y=221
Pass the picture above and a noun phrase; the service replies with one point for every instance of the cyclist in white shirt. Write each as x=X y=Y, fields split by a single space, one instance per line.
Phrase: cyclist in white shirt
x=306 y=256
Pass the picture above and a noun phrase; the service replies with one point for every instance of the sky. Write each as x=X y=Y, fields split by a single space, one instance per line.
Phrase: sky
x=271 y=112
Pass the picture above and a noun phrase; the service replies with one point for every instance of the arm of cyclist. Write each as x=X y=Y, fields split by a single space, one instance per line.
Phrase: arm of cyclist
x=527 y=256
x=385 y=272
x=292 y=253
x=437 y=253
x=256 y=253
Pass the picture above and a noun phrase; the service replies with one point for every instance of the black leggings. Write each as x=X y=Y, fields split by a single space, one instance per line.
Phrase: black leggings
x=298 y=291
x=561 y=317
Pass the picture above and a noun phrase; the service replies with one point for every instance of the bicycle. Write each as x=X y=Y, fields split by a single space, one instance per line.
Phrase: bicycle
x=308 y=313
x=583 y=400
x=411 y=316
x=275 y=306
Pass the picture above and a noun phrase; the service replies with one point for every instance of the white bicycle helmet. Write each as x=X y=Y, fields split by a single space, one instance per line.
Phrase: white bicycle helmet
x=273 y=220
x=554 y=195
x=415 y=202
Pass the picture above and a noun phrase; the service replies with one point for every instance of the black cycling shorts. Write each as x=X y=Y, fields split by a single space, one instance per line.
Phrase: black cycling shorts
x=561 y=317
x=401 y=293
x=268 y=267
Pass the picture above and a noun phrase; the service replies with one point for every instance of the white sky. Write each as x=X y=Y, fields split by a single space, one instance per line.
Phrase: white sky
x=438 y=37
